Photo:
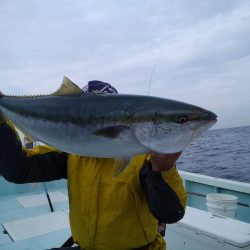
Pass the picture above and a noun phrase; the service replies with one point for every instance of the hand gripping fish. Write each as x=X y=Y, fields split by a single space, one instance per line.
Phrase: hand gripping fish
x=106 y=125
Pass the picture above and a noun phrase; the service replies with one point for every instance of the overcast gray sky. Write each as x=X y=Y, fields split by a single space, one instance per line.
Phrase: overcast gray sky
x=202 y=49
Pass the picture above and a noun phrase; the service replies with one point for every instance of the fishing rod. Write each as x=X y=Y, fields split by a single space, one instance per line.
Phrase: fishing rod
x=29 y=144
x=48 y=197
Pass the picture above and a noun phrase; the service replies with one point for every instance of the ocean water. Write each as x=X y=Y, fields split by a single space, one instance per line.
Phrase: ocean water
x=223 y=153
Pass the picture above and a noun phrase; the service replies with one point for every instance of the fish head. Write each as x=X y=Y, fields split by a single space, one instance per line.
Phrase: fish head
x=173 y=126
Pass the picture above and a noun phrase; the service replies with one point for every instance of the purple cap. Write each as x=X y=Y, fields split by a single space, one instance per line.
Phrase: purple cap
x=99 y=86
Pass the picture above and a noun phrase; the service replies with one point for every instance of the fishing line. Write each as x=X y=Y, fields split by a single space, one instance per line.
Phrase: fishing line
x=152 y=73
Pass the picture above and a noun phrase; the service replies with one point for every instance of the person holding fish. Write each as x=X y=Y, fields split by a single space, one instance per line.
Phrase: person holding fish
x=115 y=203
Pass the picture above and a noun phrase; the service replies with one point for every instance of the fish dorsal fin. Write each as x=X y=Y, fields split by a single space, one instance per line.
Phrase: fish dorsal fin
x=67 y=88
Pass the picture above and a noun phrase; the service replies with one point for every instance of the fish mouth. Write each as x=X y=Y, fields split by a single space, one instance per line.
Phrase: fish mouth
x=206 y=116
x=202 y=122
x=210 y=116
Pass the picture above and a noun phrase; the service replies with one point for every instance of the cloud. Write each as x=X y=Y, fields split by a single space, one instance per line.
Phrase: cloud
x=202 y=49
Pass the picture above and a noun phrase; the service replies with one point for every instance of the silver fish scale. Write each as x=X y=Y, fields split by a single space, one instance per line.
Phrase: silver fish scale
x=108 y=125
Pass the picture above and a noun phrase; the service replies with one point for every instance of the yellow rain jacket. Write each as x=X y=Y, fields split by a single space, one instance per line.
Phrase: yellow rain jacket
x=106 y=213
x=112 y=213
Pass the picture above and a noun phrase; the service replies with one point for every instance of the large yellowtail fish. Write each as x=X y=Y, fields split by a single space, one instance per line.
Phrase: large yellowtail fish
x=106 y=125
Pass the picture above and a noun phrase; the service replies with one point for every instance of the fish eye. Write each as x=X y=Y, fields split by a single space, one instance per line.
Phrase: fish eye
x=181 y=119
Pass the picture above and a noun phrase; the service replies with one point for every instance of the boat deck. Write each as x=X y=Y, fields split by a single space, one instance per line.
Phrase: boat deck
x=198 y=186
x=26 y=220
x=28 y=223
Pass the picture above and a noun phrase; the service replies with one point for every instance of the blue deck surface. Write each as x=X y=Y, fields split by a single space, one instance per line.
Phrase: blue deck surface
x=11 y=209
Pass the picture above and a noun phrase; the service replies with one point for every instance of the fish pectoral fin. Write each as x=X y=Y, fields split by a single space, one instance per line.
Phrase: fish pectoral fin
x=67 y=88
x=111 y=132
